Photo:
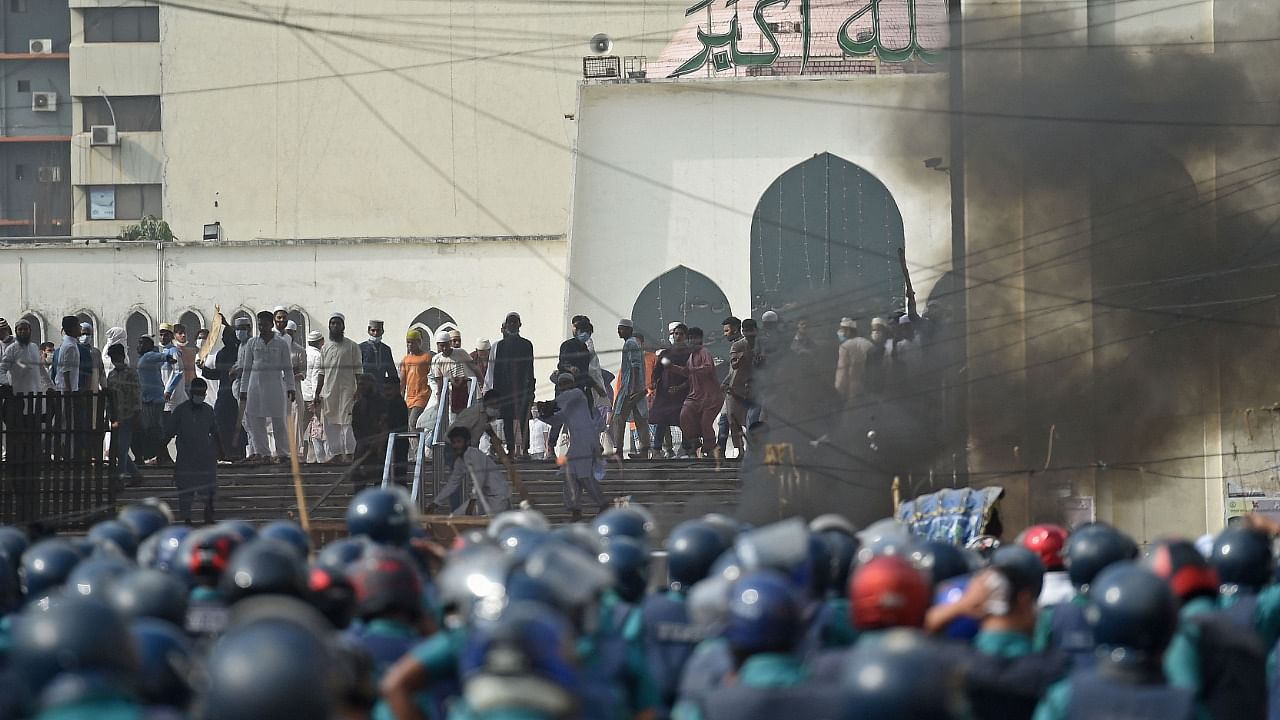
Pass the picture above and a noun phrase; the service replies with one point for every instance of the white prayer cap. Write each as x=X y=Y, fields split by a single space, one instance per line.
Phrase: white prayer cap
x=565 y=378
x=905 y=319
x=769 y=316
x=626 y=323
x=443 y=336
x=314 y=335
x=338 y=315
x=483 y=344
x=291 y=325
x=671 y=326
x=279 y=308
x=848 y=322
x=879 y=322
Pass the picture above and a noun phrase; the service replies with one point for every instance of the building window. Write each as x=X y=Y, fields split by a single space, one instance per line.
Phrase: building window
x=18 y=6
x=19 y=172
x=24 y=86
x=132 y=113
x=121 y=24
x=124 y=202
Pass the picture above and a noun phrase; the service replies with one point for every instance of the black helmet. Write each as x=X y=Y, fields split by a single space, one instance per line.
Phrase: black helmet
x=341 y=553
x=243 y=528
x=1132 y=611
x=1187 y=572
x=76 y=634
x=263 y=567
x=383 y=516
x=692 y=548
x=628 y=560
x=385 y=582
x=632 y=521
x=150 y=593
x=13 y=542
x=45 y=566
x=903 y=676
x=726 y=527
x=96 y=576
x=144 y=520
x=843 y=552
x=291 y=533
x=160 y=551
x=580 y=536
x=204 y=554
x=271 y=668
x=1242 y=558
x=166 y=659
x=1022 y=567
x=332 y=594
x=941 y=560
x=116 y=533
x=1094 y=547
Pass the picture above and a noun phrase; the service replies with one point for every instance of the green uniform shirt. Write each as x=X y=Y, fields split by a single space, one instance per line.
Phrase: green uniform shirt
x=439 y=654
x=765 y=670
x=1182 y=660
x=642 y=693
x=1044 y=624
x=839 y=631
x=1056 y=703
x=1002 y=643
x=201 y=593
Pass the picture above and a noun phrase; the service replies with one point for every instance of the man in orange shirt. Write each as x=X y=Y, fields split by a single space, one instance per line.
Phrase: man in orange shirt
x=415 y=371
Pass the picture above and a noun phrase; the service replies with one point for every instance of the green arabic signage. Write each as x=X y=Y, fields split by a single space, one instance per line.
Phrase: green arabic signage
x=861 y=35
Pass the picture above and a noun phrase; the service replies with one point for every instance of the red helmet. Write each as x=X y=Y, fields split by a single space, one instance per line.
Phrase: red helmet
x=1049 y=542
x=888 y=592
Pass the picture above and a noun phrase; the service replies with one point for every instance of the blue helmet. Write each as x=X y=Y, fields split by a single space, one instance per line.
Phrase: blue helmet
x=842 y=549
x=45 y=566
x=160 y=551
x=1022 y=567
x=264 y=567
x=290 y=533
x=628 y=559
x=580 y=536
x=96 y=576
x=632 y=521
x=1092 y=548
x=13 y=542
x=521 y=541
x=150 y=593
x=949 y=592
x=692 y=548
x=165 y=661
x=521 y=660
x=765 y=614
x=331 y=593
x=76 y=634
x=115 y=533
x=725 y=526
x=903 y=676
x=271 y=667
x=1242 y=558
x=243 y=528
x=203 y=555
x=338 y=554
x=942 y=561
x=143 y=519
x=383 y=516
x=1132 y=612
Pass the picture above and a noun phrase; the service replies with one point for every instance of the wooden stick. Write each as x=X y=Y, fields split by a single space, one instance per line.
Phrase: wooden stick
x=303 y=513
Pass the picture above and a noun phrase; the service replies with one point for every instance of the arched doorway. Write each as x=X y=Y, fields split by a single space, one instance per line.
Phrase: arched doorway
x=135 y=326
x=682 y=295
x=37 y=326
x=430 y=321
x=824 y=239
x=85 y=316
x=192 y=321
x=299 y=318
x=245 y=313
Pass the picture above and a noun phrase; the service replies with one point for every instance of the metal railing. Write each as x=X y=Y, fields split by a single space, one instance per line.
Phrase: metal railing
x=438 y=446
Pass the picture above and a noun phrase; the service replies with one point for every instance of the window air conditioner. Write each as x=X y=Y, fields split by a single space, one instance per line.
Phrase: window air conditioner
x=44 y=101
x=40 y=46
x=49 y=174
x=103 y=135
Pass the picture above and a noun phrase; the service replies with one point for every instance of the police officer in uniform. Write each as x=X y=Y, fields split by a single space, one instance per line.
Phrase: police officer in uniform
x=1132 y=616
x=388 y=607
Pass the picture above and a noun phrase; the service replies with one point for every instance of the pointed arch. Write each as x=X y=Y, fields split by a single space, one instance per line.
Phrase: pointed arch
x=37 y=325
x=137 y=324
x=432 y=320
x=681 y=295
x=192 y=320
x=299 y=318
x=826 y=228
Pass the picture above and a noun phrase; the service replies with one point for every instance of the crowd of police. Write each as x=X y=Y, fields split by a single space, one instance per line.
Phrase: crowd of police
x=143 y=618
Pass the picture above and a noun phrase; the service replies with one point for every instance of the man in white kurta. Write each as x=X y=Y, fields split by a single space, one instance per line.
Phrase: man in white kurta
x=319 y=449
x=340 y=366
x=267 y=389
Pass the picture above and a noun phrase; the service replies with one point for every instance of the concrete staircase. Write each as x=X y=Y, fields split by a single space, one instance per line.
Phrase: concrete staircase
x=673 y=490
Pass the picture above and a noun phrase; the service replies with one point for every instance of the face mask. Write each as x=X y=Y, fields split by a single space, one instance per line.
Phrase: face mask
x=197 y=399
x=86 y=339
x=242 y=335
x=375 y=339
x=584 y=336
x=842 y=335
